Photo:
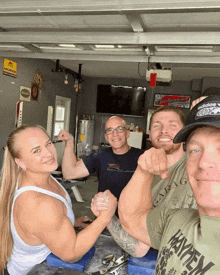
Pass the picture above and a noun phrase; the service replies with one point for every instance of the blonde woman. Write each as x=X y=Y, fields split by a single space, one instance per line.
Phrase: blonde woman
x=36 y=216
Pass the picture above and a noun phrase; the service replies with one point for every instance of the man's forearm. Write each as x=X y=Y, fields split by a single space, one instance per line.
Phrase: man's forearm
x=128 y=243
x=135 y=203
x=136 y=198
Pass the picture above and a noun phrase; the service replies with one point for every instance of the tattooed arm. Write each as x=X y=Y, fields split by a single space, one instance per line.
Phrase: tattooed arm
x=128 y=243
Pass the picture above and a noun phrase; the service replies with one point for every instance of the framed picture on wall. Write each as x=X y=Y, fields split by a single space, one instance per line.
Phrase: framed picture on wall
x=34 y=91
x=181 y=101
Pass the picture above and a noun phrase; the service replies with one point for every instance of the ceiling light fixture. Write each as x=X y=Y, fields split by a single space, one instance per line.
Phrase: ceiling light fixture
x=67 y=45
x=105 y=46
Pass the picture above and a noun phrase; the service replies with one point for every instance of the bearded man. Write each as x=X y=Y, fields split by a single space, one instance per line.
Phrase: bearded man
x=174 y=192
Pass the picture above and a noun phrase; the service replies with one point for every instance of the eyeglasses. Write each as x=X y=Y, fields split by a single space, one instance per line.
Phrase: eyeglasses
x=119 y=129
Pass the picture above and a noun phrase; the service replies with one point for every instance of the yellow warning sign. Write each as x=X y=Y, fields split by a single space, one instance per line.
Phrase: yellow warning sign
x=10 y=67
x=82 y=137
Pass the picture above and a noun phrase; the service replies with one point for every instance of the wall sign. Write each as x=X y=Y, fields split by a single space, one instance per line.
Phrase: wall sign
x=25 y=93
x=180 y=101
x=10 y=67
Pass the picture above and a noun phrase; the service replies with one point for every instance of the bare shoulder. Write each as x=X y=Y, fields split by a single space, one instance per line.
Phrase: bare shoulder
x=33 y=209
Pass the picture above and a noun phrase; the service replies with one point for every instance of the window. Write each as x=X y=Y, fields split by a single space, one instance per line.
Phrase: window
x=62 y=114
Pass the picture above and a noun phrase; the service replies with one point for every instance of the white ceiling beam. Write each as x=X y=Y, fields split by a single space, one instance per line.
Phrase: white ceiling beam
x=78 y=56
x=136 y=22
x=121 y=38
x=108 y=6
x=206 y=60
x=186 y=59
x=31 y=48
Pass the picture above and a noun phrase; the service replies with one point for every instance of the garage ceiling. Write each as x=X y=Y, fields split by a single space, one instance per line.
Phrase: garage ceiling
x=117 y=38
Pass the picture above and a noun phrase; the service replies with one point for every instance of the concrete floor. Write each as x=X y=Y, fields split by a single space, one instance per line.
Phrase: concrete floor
x=87 y=191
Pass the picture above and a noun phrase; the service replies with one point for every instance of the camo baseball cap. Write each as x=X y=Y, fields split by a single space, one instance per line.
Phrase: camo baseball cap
x=205 y=113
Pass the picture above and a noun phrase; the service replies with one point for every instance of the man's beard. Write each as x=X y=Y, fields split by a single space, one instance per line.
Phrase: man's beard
x=169 y=148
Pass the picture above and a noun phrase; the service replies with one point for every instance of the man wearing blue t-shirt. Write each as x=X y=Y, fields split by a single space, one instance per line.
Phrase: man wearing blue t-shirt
x=114 y=165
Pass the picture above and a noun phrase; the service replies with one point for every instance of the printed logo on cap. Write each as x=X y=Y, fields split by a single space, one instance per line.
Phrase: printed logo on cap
x=208 y=109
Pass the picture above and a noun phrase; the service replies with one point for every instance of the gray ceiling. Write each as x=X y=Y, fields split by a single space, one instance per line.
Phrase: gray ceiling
x=181 y=35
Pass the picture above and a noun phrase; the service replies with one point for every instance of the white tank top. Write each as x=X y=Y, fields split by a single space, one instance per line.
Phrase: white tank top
x=25 y=256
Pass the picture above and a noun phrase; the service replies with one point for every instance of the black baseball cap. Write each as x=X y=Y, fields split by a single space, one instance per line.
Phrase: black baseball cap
x=205 y=113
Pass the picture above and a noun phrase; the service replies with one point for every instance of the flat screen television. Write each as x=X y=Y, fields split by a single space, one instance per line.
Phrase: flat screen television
x=120 y=100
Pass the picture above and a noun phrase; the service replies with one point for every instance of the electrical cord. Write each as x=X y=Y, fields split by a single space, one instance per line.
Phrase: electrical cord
x=139 y=71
